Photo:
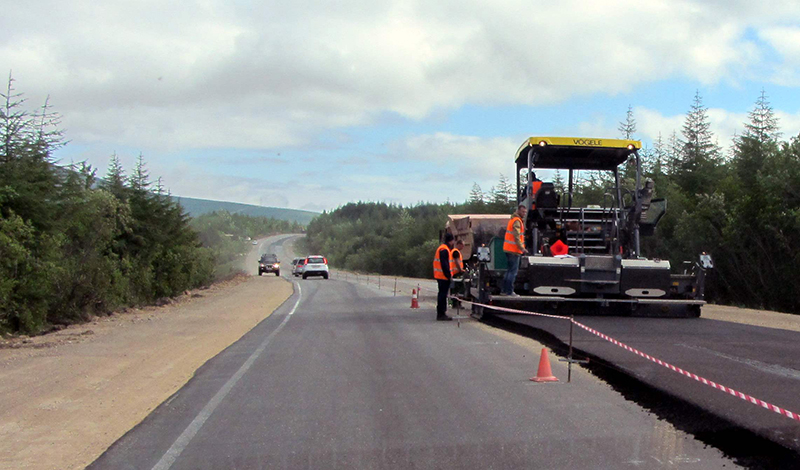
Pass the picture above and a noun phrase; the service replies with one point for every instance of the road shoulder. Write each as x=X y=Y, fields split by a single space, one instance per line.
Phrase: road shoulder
x=70 y=395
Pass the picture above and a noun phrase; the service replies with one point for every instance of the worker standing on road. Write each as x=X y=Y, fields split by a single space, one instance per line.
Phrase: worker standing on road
x=514 y=247
x=442 y=274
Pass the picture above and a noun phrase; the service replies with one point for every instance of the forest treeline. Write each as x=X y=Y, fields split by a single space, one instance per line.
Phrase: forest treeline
x=73 y=245
x=740 y=205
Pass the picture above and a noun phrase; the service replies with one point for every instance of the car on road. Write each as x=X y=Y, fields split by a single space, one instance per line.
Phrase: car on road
x=294 y=266
x=298 y=267
x=255 y=242
x=269 y=264
x=316 y=265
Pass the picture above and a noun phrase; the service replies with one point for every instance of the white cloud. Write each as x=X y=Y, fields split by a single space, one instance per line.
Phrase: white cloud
x=789 y=124
x=213 y=73
x=467 y=157
x=786 y=42
x=172 y=77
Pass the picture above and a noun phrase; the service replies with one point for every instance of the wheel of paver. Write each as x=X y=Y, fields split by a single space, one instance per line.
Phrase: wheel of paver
x=277 y=273
x=325 y=276
x=260 y=273
x=694 y=311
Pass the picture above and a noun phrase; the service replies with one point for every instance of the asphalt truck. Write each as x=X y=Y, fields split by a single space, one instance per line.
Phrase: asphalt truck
x=599 y=268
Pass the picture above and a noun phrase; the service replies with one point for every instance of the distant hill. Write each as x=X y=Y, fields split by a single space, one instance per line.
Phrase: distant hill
x=195 y=207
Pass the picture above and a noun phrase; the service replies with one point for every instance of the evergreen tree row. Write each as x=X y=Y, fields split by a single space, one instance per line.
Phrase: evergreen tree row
x=73 y=245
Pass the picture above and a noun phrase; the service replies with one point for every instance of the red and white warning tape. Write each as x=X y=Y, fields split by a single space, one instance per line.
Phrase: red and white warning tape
x=722 y=388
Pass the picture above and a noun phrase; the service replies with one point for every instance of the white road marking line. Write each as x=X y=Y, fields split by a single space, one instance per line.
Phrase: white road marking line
x=172 y=454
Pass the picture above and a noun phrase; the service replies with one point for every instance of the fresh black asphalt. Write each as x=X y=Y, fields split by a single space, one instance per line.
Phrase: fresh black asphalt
x=761 y=362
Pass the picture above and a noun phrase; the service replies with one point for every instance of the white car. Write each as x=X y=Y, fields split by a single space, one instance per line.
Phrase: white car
x=316 y=265
x=297 y=268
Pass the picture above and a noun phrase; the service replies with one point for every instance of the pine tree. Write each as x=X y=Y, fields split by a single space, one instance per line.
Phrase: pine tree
x=28 y=182
x=560 y=184
x=139 y=180
x=763 y=125
x=627 y=128
x=505 y=187
x=48 y=133
x=698 y=169
x=159 y=187
x=659 y=155
x=757 y=142
x=115 y=177
x=502 y=195
x=476 y=195
x=672 y=155
x=15 y=123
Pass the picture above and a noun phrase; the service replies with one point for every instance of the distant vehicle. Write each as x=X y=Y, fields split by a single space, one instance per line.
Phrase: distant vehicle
x=255 y=242
x=316 y=265
x=298 y=267
x=269 y=264
x=294 y=266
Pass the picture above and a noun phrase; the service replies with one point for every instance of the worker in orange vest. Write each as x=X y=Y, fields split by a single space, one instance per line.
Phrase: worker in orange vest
x=514 y=247
x=443 y=275
x=456 y=267
x=456 y=260
x=536 y=185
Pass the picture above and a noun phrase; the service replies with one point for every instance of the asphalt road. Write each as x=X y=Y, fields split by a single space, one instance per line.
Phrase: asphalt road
x=347 y=376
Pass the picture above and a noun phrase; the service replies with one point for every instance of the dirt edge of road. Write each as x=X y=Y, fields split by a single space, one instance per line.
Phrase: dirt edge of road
x=69 y=395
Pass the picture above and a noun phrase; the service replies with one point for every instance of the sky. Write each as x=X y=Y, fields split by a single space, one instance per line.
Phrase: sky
x=313 y=104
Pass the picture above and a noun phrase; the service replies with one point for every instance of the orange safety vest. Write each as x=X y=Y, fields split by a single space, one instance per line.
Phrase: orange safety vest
x=535 y=187
x=510 y=244
x=456 y=263
x=438 y=273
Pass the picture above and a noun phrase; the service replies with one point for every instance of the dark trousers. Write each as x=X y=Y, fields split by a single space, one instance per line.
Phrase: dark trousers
x=511 y=273
x=441 y=299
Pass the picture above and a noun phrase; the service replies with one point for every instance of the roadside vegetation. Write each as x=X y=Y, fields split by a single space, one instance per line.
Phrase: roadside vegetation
x=73 y=245
x=742 y=206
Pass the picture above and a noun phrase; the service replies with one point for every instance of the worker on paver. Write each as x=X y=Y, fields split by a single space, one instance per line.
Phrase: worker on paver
x=456 y=268
x=514 y=247
x=442 y=274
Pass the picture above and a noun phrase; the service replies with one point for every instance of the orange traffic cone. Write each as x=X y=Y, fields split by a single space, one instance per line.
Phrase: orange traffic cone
x=414 y=303
x=544 y=374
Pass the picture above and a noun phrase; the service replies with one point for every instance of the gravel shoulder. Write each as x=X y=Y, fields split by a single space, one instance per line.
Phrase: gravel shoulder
x=68 y=395
x=747 y=316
